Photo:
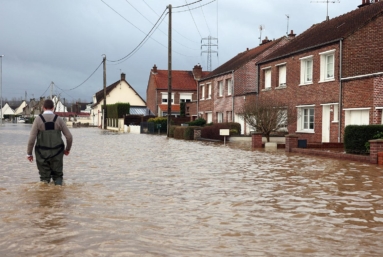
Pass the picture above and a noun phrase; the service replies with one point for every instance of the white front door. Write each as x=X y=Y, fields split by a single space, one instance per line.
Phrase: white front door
x=326 y=123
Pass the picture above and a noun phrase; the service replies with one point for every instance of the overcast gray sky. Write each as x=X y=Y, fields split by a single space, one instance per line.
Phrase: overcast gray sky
x=46 y=41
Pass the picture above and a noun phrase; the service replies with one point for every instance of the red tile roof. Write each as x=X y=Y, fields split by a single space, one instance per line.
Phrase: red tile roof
x=241 y=59
x=175 y=108
x=330 y=31
x=181 y=80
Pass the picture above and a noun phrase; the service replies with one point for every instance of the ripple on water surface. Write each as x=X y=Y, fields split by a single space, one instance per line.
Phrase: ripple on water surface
x=146 y=195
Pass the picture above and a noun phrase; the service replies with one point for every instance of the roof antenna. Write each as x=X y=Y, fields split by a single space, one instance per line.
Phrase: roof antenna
x=287 y=31
x=261 y=27
x=327 y=1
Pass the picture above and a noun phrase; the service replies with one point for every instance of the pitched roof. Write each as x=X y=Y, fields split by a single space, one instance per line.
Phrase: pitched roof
x=100 y=94
x=330 y=31
x=181 y=80
x=241 y=59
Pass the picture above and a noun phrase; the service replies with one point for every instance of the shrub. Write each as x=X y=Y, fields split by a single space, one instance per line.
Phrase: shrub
x=197 y=122
x=179 y=132
x=356 y=137
x=159 y=121
x=171 y=130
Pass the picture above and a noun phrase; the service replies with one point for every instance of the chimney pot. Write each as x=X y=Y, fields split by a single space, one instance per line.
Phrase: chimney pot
x=154 y=70
x=291 y=35
x=122 y=76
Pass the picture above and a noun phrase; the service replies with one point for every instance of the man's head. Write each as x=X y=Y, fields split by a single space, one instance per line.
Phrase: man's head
x=48 y=105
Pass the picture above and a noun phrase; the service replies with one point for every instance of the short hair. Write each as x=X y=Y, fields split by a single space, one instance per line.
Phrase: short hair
x=48 y=104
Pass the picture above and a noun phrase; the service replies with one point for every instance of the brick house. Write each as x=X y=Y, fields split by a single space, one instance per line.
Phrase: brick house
x=223 y=92
x=332 y=73
x=184 y=89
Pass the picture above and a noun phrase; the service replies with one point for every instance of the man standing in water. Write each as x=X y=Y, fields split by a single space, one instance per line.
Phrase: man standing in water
x=49 y=148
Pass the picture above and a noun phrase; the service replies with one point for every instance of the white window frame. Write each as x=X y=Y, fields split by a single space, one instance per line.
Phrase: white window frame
x=164 y=96
x=209 y=116
x=219 y=117
x=202 y=92
x=282 y=73
x=305 y=112
x=267 y=75
x=220 y=88
x=208 y=91
x=307 y=65
x=229 y=86
x=187 y=97
x=347 y=114
x=325 y=66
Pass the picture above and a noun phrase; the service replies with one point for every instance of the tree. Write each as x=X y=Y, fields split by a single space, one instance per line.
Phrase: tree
x=267 y=115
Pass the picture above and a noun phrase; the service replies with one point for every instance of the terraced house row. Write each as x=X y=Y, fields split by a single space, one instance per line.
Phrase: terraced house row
x=332 y=74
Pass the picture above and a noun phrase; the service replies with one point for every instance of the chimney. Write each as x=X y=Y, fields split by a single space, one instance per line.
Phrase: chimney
x=154 y=69
x=291 y=35
x=364 y=3
x=266 y=40
x=197 y=72
x=122 y=76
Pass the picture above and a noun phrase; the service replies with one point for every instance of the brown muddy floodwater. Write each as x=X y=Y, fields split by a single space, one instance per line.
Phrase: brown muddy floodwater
x=145 y=195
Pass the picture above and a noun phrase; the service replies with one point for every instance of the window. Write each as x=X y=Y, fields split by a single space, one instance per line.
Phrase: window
x=305 y=119
x=282 y=120
x=185 y=97
x=307 y=70
x=267 y=74
x=164 y=97
x=282 y=75
x=209 y=117
x=228 y=86
x=220 y=88
x=357 y=116
x=209 y=91
x=202 y=92
x=219 y=117
x=327 y=65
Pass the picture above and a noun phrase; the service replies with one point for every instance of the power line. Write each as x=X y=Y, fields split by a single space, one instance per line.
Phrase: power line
x=46 y=89
x=203 y=13
x=195 y=24
x=195 y=7
x=84 y=80
x=153 y=24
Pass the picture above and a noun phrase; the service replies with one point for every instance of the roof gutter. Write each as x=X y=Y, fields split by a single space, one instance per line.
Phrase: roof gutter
x=301 y=50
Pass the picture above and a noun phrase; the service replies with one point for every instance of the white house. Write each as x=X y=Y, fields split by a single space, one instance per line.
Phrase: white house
x=59 y=106
x=6 y=110
x=118 y=92
x=20 y=110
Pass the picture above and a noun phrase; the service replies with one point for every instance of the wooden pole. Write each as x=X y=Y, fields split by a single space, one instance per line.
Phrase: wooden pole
x=104 y=82
x=169 y=70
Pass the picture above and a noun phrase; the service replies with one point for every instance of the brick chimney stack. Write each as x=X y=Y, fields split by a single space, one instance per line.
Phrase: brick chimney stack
x=154 y=69
x=197 y=72
x=122 y=76
x=291 y=35
x=266 y=40
x=364 y=3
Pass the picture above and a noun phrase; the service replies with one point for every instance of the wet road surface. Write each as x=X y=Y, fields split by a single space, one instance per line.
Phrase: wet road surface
x=145 y=195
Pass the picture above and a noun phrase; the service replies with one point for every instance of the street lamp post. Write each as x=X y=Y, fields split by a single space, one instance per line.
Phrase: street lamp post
x=1 y=89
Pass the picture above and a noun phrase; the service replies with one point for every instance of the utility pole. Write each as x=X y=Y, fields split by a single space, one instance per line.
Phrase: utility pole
x=104 y=82
x=209 y=51
x=169 y=70
x=51 y=89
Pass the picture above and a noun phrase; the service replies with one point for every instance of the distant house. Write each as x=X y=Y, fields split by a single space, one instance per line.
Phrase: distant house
x=223 y=92
x=7 y=111
x=184 y=89
x=59 y=106
x=118 y=92
x=20 y=108
x=332 y=74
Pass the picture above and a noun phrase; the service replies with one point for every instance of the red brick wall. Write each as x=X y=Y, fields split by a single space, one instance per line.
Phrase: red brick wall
x=151 y=95
x=314 y=94
x=363 y=50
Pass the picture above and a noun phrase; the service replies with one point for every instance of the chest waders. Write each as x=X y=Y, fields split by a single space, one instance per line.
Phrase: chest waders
x=49 y=151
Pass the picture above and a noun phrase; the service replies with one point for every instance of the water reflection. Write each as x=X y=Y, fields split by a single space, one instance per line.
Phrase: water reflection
x=142 y=195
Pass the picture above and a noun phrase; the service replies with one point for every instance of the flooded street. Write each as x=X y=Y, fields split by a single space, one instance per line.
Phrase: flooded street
x=147 y=195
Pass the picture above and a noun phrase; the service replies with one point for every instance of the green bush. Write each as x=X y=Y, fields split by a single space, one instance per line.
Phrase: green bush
x=179 y=132
x=171 y=130
x=162 y=121
x=356 y=137
x=189 y=132
x=117 y=110
x=197 y=122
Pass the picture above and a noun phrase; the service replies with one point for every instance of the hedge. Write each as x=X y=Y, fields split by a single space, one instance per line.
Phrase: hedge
x=356 y=137
x=117 y=110
x=162 y=121
x=212 y=131
x=181 y=132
